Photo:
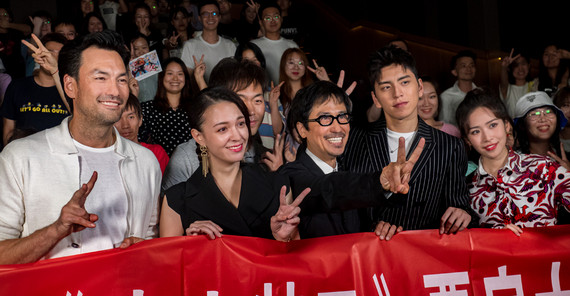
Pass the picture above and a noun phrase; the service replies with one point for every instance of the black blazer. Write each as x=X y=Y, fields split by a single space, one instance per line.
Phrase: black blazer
x=329 y=207
x=436 y=183
x=200 y=199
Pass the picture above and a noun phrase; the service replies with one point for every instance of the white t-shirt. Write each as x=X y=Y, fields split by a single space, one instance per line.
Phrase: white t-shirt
x=450 y=100
x=393 y=142
x=272 y=51
x=108 y=199
x=109 y=11
x=514 y=93
x=213 y=53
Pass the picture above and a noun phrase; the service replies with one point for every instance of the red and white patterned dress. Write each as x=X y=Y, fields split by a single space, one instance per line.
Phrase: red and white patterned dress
x=527 y=192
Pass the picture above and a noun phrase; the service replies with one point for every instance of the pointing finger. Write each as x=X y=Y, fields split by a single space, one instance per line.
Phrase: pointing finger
x=418 y=151
x=282 y=196
x=300 y=197
x=316 y=65
x=31 y=46
x=401 y=150
x=340 y=80
x=39 y=43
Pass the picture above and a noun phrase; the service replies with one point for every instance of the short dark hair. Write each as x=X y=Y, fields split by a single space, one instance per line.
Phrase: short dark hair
x=399 y=40
x=207 y=2
x=236 y=75
x=141 y=5
x=133 y=103
x=137 y=35
x=475 y=98
x=390 y=55
x=54 y=37
x=268 y=4
x=315 y=94
x=71 y=55
x=253 y=47
x=462 y=54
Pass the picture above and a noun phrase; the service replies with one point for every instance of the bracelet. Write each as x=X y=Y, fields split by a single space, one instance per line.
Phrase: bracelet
x=54 y=72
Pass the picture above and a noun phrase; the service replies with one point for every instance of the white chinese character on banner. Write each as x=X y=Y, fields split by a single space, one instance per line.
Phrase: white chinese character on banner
x=443 y=280
x=503 y=282
x=555 y=279
x=78 y=293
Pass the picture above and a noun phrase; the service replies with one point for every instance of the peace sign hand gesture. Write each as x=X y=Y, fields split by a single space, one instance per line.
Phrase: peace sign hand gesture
x=563 y=161
x=320 y=72
x=506 y=61
x=173 y=40
x=340 y=83
x=284 y=222
x=396 y=175
x=42 y=55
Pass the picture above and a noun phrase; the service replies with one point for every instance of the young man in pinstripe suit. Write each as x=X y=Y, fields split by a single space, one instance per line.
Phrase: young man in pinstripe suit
x=437 y=196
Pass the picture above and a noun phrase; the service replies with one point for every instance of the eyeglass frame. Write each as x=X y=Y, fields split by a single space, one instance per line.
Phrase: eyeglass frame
x=268 y=18
x=318 y=119
x=206 y=14
x=534 y=116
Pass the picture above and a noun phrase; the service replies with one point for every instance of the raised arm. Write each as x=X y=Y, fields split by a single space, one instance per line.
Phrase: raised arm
x=73 y=217
x=505 y=62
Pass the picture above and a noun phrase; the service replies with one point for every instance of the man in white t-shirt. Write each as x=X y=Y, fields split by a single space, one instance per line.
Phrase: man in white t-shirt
x=110 y=10
x=213 y=46
x=44 y=214
x=462 y=67
x=272 y=44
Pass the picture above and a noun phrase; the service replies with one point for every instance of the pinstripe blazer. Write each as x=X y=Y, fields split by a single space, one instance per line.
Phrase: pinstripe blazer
x=436 y=183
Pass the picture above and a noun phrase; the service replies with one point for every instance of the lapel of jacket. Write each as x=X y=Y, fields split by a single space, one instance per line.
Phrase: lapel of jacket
x=211 y=204
x=424 y=131
x=308 y=162
x=379 y=141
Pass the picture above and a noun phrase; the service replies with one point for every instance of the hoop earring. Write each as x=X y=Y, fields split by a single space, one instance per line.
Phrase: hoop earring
x=204 y=155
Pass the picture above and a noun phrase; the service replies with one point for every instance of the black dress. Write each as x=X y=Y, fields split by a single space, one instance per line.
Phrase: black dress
x=167 y=129
x=200 y=199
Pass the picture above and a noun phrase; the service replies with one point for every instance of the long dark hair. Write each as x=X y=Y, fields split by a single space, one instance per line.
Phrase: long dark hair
x=161 y=100
x=173 y=13
x=286 y=91
x=545 y=83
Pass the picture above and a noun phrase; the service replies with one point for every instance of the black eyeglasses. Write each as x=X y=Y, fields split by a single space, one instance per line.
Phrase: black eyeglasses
x=326 y=120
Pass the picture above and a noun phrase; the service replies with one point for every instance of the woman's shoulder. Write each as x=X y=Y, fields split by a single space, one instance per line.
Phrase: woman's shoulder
x=253 y=172
x=189 y=188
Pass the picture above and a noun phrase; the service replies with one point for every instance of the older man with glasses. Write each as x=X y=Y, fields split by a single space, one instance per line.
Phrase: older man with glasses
x=320 y=114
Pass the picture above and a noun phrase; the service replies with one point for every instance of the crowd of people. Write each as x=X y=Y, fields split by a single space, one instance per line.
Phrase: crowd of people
x=241 y=134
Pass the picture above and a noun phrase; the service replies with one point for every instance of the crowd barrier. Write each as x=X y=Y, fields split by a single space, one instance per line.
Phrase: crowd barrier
x=472 y=262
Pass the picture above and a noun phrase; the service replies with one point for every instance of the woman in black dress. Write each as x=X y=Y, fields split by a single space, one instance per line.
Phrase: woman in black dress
x=226 y=195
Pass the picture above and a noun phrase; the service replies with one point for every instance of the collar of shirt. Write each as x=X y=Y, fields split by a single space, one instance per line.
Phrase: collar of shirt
x=511 y=165
x=325 y=167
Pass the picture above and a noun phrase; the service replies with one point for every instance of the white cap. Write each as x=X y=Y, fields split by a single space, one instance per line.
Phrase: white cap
x=533 y=100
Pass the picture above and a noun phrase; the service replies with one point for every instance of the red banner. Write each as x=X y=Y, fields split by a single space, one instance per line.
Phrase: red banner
x=473 y=262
